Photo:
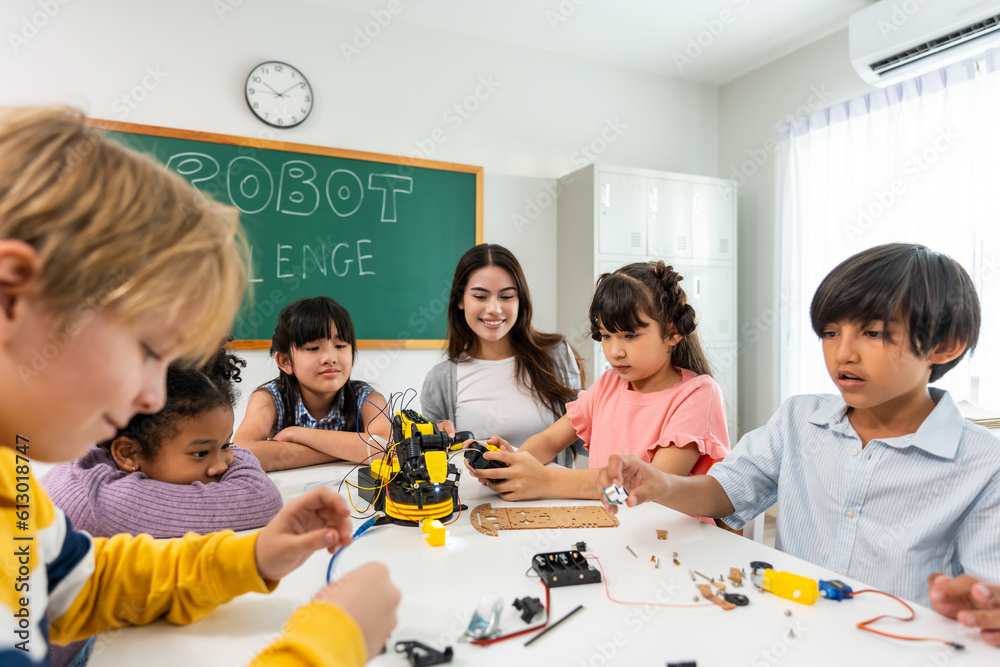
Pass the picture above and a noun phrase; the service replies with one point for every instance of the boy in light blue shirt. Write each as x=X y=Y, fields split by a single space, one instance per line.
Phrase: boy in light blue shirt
x=885 y=483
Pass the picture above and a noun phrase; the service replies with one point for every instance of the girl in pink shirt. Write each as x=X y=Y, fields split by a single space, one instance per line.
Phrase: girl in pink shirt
x=658 y=402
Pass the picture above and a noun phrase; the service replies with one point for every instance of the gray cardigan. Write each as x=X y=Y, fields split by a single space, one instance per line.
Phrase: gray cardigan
x=438 y=398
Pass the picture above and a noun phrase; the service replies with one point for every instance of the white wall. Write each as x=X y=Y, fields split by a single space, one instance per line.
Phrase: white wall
x=810 y=79
x=387 y=99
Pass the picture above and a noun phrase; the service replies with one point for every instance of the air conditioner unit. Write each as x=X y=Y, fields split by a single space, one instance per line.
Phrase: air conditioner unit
x=893 y=40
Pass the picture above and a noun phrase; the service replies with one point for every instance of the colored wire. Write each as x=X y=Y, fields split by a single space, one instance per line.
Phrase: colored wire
x=357 y=533
x=494 y=640
x=645 y=604
x=403 y=397
x=864 y=625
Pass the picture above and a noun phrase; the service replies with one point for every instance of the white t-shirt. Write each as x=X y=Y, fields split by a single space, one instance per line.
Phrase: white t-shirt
x=491 y=402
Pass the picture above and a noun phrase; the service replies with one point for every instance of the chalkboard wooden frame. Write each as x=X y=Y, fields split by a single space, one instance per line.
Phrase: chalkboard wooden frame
x=268 y=144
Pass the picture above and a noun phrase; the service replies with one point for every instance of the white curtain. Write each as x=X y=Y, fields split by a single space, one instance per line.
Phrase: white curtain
x=918 y=162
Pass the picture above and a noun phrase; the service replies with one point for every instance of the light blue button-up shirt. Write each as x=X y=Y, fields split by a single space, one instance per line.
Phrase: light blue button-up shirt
x=888 y=514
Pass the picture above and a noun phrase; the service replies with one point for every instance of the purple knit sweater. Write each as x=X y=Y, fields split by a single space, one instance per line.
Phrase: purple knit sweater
x=104 y=501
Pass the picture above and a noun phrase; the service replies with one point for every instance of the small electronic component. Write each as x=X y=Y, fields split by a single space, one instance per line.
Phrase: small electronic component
x=615 y=495
x=835 y=589
x=737 y=599
x=529 y=608
x=433 y=531
x=655 y=561
x=707 y=593
x=564 y=568
x=580 y=546
x=422 y=655
x=485 y=620
x=735 y=576
x=785 y=585
x=661 y=534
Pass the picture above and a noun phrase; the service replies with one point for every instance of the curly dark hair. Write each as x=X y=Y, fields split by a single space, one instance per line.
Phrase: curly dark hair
x=190 y=392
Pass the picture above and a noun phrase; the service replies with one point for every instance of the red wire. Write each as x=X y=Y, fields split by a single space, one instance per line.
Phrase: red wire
x=863 y=625
x=458 y=499
x=655 y=604
x=494 y=640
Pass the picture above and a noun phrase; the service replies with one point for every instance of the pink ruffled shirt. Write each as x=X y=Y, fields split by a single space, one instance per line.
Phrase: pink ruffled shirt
x=611 y=418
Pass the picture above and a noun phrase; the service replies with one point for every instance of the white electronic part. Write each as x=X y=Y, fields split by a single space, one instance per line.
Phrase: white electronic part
x=485 y=621
x=615 y=495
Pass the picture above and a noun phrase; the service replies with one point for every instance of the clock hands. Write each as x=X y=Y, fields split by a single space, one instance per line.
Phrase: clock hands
x=276 y=93
x=282 y=93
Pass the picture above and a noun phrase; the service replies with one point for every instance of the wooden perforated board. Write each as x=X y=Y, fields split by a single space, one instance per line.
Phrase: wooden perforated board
x=488 y=519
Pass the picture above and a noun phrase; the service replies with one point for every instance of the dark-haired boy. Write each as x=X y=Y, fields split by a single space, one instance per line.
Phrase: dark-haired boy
x=886 y=483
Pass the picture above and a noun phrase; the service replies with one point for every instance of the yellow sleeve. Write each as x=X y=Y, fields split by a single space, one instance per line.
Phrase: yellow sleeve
x=318 y=634
x=137 y=580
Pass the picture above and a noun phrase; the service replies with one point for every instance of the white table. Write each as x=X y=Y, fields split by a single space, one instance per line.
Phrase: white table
x=442 y=585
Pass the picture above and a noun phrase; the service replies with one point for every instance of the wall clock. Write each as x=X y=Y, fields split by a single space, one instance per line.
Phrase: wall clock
x=279 y=94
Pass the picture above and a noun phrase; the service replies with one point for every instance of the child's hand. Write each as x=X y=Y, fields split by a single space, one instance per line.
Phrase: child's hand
x=524 y=478
x=368 y=596
x=971 y=601
x=494 y=440
x=642 y=481
x=315 y=520
x=446 y=427
x=286 y=434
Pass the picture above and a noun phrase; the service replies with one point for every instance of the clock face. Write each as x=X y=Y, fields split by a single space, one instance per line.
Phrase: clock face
x=278 y=94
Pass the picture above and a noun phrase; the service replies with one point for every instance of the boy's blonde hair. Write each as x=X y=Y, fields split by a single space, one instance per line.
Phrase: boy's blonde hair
x=115 y=230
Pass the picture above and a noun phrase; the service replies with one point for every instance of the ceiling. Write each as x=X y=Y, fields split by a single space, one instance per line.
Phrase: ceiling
x=707 y=41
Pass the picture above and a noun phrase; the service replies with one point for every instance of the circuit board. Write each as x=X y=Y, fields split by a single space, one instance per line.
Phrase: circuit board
x=488 y=519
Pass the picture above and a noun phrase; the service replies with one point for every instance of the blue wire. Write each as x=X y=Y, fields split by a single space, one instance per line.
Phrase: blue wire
x=357 y=533
x=403 y=397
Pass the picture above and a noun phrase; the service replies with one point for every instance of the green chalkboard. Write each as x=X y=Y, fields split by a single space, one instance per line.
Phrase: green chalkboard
x=379 y=234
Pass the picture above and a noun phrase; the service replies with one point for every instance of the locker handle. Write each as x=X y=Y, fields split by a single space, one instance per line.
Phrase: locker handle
x=697 y=287
x=605 y=194
x=654 y=199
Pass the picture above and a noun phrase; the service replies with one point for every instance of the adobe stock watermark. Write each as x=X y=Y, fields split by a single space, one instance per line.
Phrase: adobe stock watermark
x=898 y=17
x=562 y=12
x=224 y=7
x=364 y=35
x=583 y=155
x=772 y=655
x=636 y=620
x=703 y=40
x=456 y=115
x=913 y=170
x=819 y=98
x=34 y=23
x=131 y=100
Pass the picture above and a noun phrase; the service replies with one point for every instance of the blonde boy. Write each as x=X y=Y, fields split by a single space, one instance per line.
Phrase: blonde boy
x=110 y=268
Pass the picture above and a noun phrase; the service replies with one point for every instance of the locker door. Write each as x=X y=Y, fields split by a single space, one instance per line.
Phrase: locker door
x=668 y=205
x=713 y=220
x=710 y=293
x=621 y=223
